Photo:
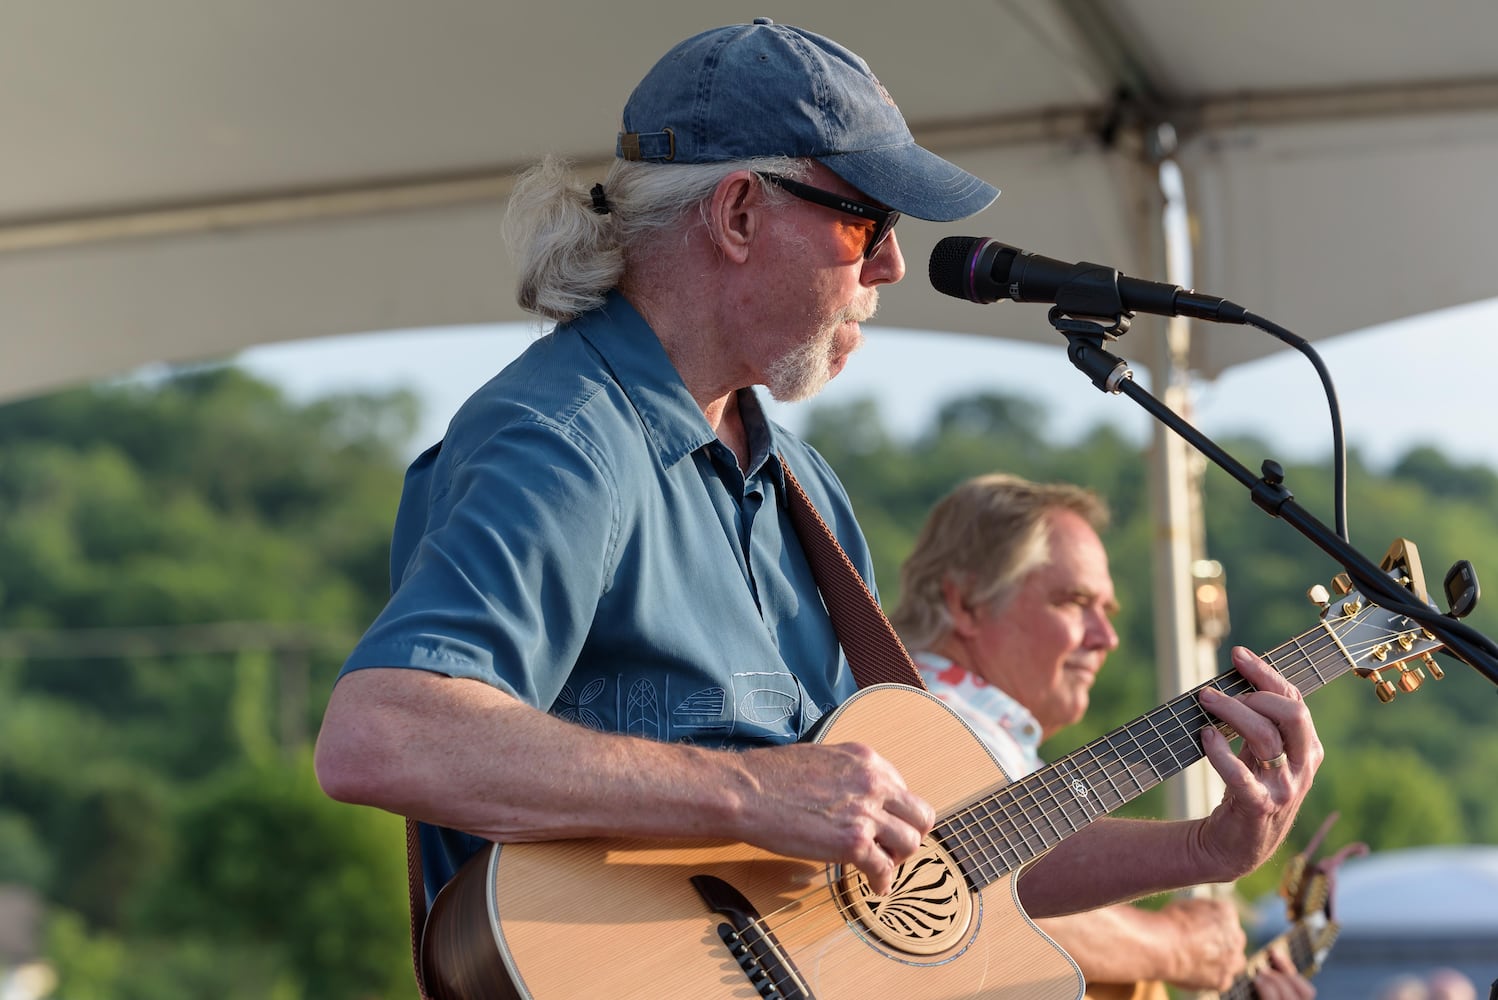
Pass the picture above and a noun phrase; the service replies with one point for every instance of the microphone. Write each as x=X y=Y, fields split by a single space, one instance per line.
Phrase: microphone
x=983 y=270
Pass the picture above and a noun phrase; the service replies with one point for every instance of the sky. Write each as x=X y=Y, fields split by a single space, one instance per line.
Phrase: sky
x=1427 y=380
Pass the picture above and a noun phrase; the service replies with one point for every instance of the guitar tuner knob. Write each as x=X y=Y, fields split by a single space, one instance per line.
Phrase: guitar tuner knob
x=1410 y=681
x=1342 y=583
x=1433 y=666
x=1384 y=690
x=1318 y=595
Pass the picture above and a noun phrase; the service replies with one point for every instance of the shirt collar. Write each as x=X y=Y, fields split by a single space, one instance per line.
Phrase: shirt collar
x=997 y=705
x=671 y=417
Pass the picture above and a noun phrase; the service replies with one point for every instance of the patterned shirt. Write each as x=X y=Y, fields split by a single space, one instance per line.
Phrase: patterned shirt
x=1003 y=724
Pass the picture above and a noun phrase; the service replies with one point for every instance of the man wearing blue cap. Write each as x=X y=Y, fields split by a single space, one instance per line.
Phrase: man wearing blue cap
x=597 y=589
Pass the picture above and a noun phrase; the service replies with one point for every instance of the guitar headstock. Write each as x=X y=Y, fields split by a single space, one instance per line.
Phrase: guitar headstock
x=1380 y=641
x=1308 y=886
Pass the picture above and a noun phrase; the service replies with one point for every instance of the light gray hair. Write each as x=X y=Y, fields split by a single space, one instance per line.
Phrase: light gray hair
x=569 y=256
x=985 y=537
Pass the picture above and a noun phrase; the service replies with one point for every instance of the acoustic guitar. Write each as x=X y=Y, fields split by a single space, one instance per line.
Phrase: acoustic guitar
x=623 y=919
x=1308 y=889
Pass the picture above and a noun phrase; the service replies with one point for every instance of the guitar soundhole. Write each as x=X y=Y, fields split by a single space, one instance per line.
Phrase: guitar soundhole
x=929 y=910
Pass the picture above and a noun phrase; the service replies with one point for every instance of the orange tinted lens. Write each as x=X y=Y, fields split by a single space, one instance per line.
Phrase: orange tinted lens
x=855 y=233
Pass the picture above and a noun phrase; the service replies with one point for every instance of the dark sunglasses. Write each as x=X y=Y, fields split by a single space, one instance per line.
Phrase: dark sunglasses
x=884 y=219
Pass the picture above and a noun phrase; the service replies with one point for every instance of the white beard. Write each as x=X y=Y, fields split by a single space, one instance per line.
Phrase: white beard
x=804 y=371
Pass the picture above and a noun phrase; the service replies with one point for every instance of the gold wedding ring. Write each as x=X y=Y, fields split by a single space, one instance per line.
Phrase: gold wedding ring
x=1274 y=762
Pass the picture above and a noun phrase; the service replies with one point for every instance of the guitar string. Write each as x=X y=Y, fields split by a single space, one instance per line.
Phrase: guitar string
x=1331 y=646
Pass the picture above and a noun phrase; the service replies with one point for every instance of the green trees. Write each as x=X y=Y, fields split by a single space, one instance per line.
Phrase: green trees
x=181 y=567
x=184 y=564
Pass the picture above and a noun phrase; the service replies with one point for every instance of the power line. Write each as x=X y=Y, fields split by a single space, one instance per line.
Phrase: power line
x=169 y=640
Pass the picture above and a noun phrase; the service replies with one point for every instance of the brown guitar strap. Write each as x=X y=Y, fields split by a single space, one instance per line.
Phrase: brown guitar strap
x=417 y=890
x=874 y=650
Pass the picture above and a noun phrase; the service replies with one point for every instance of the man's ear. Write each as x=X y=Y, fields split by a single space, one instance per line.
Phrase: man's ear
x=964 y=621
x=735 y=215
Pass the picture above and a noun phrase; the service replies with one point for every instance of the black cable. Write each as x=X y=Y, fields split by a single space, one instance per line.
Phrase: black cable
x=1339 y=444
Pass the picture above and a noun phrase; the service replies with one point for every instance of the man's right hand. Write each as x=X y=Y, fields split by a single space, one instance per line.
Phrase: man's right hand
x=841 y=803
x=1209 y=943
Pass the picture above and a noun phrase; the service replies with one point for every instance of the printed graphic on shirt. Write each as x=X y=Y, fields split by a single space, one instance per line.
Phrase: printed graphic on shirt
x=702 y=710
x=642 y=713
x=760 y=706
x=574 y=707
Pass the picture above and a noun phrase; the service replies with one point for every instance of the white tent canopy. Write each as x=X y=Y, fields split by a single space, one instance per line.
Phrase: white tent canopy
x=181 y=180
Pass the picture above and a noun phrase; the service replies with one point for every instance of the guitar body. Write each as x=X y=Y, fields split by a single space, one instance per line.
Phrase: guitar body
x=624 y=919
x=1149 y=990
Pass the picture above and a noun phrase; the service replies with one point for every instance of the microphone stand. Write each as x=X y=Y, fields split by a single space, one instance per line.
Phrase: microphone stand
x=1085 y=337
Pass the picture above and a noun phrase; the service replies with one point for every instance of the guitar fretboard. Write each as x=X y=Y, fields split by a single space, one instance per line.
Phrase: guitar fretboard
x=1003 y=831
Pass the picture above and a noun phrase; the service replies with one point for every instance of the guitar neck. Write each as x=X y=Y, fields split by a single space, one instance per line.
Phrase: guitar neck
x=1307 y=946
x=1004 y=830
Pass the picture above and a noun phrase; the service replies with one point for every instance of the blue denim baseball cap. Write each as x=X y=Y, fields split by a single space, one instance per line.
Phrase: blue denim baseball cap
x=767 y=89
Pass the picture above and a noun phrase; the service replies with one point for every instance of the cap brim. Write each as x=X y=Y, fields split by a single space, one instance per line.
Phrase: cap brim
x=914 y=181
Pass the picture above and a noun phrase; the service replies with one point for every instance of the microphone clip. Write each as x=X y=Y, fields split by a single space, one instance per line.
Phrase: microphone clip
x=1089 y=326
x=1085 y=338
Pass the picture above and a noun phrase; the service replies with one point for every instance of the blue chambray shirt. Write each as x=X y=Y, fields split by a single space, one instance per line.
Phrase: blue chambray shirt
x=582 y=540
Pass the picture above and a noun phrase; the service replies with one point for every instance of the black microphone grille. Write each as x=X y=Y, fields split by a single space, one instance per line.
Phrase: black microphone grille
x=949 y=265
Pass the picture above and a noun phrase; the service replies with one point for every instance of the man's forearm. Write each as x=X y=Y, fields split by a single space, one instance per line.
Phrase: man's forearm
x=1113 y=861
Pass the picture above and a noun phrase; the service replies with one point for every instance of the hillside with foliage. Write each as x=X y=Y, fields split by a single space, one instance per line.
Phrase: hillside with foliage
x=184 y=563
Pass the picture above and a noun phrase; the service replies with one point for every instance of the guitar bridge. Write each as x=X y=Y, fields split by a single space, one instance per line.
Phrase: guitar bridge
x=752 y=944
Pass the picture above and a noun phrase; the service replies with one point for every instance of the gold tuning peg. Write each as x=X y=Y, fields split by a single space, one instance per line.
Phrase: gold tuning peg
x=1317 y=892
x=1432 y=666
x=1319 y=596
x=1381 y=687
x=1293 y=878
x=1410 y=680
x=1342 y=583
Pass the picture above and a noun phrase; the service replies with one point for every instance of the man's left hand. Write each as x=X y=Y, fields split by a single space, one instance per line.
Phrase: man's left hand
x=1268 y=778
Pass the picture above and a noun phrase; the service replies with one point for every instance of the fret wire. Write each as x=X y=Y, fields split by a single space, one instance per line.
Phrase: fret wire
x=1029 y=788
x=978 y=828
x=1055 y=787
x=1315 y=669
x=954 y=835
x=1120 y=764
x=1129 y=729
x=996 y=817
x=1167 y=738
x=1030 y=811
x=1105 y=772
x=1196 y=717
x=1086 y=771
x=1090 y=813
x=1066 y=797
x=1004 y=822
x=1025 y=825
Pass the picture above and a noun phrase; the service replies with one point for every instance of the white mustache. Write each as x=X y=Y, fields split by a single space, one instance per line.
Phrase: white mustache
x=861 y=312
